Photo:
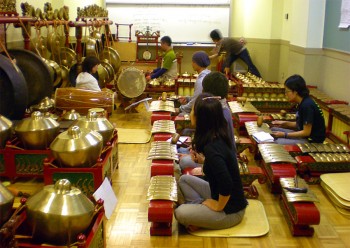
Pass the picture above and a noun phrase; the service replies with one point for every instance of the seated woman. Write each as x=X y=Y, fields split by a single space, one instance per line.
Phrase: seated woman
x=214 y=83
x=85 y=79
x=217 y=202
x=309 y=125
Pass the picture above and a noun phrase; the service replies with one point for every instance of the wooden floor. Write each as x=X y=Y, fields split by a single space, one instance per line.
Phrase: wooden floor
x=129 y=227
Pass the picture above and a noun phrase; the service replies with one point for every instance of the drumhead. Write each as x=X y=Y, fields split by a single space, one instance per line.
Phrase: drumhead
x=131 y=82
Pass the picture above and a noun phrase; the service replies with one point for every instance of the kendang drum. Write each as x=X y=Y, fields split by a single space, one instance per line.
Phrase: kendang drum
x=82 y=100
x=131 y=82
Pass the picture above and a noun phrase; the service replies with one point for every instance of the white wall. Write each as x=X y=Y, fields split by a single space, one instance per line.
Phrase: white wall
x=251 y=18
x=316 y=19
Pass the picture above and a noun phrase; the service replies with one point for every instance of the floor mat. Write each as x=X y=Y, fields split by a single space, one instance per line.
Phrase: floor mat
x=133 y=136
x=254 y=224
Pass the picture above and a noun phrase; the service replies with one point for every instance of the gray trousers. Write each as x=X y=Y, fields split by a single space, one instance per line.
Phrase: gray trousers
x=195 y=191
x=292 y=141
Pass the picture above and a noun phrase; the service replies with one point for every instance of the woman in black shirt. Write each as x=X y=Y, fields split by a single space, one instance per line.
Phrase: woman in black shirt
x=309 y=125
x=217 y=202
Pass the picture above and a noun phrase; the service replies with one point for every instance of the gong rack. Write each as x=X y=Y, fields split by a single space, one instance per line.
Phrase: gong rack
x=89 y=16
x=146 y=38
x=16 y=20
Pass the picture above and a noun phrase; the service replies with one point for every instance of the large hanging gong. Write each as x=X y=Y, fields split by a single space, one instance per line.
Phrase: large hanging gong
x=112 y=56
x=36 y=74
x=131 y=82
x=13 y=90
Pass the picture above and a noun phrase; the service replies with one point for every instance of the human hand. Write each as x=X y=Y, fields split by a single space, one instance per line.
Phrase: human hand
x=277 y=134
x=197 y=171
x=197 y=157
x=211 y=203
x=182 y=99
x=227 y=71
x=277 y=123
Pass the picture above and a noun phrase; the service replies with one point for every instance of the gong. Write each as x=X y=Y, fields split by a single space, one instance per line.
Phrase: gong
x=36 y=73
x=13 y=90
x=112 y=56
x=131 y=82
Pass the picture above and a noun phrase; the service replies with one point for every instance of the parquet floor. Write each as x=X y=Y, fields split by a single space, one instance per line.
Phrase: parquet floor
x=129 y=227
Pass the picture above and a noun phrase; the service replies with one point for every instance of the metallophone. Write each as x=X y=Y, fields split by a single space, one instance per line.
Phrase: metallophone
x=162 y=191
x=296 y=199
x=313 y=160
x=297 y=204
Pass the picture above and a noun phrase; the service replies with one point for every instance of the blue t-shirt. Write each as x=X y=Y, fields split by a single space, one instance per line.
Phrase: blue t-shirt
x=310 y=113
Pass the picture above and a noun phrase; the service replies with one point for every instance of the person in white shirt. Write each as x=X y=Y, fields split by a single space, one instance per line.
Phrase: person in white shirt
x=85 y=80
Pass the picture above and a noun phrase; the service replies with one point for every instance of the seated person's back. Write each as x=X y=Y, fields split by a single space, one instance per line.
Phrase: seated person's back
x=85 y=79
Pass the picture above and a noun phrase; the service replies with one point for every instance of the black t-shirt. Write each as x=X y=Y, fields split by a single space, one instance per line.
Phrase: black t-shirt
x=310 y=113
x=222 y=172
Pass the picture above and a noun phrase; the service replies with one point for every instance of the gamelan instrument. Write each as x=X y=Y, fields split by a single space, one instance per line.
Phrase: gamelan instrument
x=163 y=150
x=82 y=100
x=131 y=82
x=163 y=126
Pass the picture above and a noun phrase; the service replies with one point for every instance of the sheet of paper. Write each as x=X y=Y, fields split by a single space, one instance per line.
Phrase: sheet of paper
x=345 y=14
x=106 y=193
x=262 y=137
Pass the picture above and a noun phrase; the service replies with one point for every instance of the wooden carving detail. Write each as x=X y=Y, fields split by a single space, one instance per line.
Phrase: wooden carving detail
x=92 y=11
x=7 y=6
x=49 y=14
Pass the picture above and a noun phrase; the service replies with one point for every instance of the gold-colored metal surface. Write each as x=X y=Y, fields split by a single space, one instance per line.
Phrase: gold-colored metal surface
x=6 y=202
x=163 y=150
x=160 y=105
x=44 y=106
x=330 y=157
x=273 y=153
x=297 y=183
x=71 y=115
x=247 y=107
x=37 y=131
x=8 y=6
x=5 y=130
x=92 y=11
x=163 y=126
x=112 y=56
x=77 y=147
x=288 y=117
x=65 y=56
x=154 y=82
x=162 y=188
x=331 y=148
x=110 y=70
x=169 y=83
x=252 y=127
x=58 y=213
x=99 y=124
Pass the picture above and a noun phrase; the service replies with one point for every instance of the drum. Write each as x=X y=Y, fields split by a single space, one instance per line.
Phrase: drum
x=83 y=100
x=131 y=82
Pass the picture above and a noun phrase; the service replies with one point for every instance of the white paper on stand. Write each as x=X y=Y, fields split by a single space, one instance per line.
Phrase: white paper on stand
x=106 y=193
x=263 y=137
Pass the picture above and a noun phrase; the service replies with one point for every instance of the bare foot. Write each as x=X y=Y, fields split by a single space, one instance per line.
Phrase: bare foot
x=191 y=228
